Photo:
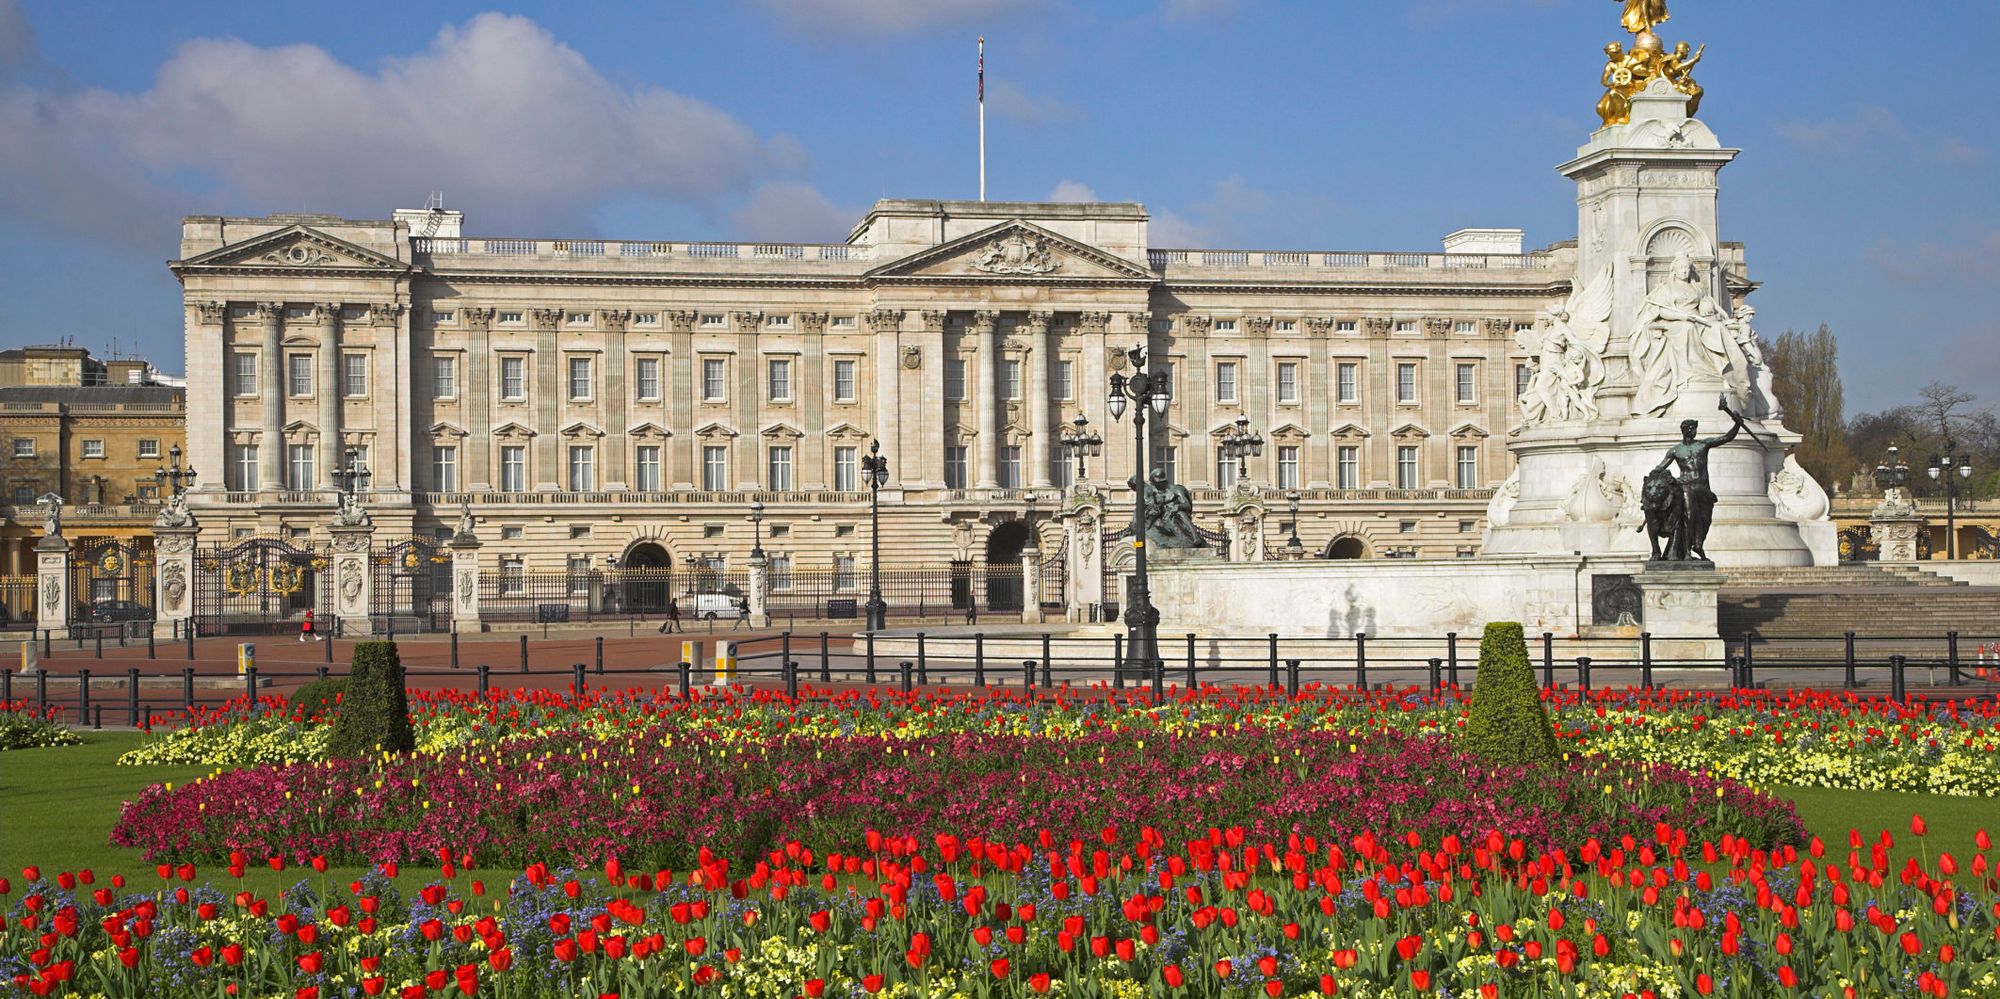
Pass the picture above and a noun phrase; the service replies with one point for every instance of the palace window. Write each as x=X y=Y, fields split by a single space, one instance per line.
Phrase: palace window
x=1225 y=381
x=1288 y=325
x=243 y=468
x=714 y=376
x=300 y=374
x=1406 y=466
x=845 y=467
x=510 y=573
x=778 y=379
x=1468 y=467
x=299 y=466
x=444 y=376
x=1406 y=383
x=1288 y=466
x=93 y=449
x=510 y=318
x=513 y=468
x=577 y=319
x=843 y=322
x=1344 y=326
x=1406 y=326
x=1166 y=458
x=1523 y=374
x=1225 y=471
x=1348 y=383
x=778 y=468
x=244 y=374
x=443 y=315
x=843 y=573
x=1288 y=381
x=1061 y=472
x=780 y=321
x=444 y=468
x=646 y=379
x=1010 y=379
x=781 y=568
x=1462 y=326
x=578 y=569
x=645 y=319
x=149 y=447
x=1010 y=467
x=954 y=466
x=711 y=319
x=1064 y=385
x=1347 y=472
x=646 y=468
x=843 y=380
x=579 y=379
x=1225 y=326
x=354 y=376
x=582 y=468
x=514 y=378
x=954 y=379
x=715 y=468
x=1466 y=381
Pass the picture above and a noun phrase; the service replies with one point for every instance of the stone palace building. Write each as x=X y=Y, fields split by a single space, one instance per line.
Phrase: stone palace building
x=601 y=404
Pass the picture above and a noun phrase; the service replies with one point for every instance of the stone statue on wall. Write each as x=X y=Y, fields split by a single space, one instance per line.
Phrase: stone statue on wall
x=1689 y=462
x=349 y=513
x=1169 y=512
x=1796 y=495
x=1682 y=333
x=1567 y=343
x=1500 y=509
x=174 y=512
x=52 y=519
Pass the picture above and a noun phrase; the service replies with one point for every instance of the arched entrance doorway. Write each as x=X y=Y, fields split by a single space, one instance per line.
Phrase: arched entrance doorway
x=647 y=572
x=1003 y=565
x=1347 y=547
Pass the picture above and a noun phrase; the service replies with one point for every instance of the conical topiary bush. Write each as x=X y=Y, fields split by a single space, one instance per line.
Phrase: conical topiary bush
x=374 y=710
x=1507 y=724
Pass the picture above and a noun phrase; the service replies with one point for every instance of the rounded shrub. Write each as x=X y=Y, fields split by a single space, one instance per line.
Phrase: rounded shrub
x=375 y=711
x=1507 y=723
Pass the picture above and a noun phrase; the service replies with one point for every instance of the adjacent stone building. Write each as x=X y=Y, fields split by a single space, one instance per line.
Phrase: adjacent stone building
x=599 y=403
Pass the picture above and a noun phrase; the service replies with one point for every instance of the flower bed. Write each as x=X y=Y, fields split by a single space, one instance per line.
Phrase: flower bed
x=23 y=727
x=657 y=797
x=1807 y=738
x=1122 y=912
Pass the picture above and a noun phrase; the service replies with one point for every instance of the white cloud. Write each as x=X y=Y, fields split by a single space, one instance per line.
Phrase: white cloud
x=1238 y=216
x=791 y=212
x=891 y=16
x=1868 y=123
x=519 y=129
x=1973 y=262
x=1955 y=151
x=1011 y=101
x=1072 y=190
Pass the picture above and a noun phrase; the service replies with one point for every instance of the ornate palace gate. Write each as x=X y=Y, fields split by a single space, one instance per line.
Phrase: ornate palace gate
x=412 y=590
x=259 y=586
x=110 y=580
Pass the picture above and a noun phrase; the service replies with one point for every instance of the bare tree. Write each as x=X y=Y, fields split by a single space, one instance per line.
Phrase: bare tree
x=1805 y=376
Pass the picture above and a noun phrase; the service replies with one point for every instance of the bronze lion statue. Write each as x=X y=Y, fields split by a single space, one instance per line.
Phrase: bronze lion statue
x=1664 y=504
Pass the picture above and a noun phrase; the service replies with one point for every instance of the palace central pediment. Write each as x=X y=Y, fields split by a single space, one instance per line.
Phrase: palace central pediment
x=1012 y=253
x=295 y=248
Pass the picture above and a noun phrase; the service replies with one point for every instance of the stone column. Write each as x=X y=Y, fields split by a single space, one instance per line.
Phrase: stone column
x=1316 y=454
x=760 y=585
x=985 y=396
x=546 y=394
x=746 y=460
x=1083 y=534
x=353 y=579
x=173 y=572
x=476 y=393
x=614 y=450
x=332 y=445
x=810 y=465
x=52 y=582
x=1896 y=528
x=1041 y=357
x=271 y=391
x=465 y=580
x=682 y=456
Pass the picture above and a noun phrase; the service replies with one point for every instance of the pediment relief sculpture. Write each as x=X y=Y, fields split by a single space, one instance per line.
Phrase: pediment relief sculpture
x=293 y=247
x=1017 y=253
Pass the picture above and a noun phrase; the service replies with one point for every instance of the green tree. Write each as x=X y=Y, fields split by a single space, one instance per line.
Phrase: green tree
x=1507 y=723
x=375 y=711
x=1805 y=376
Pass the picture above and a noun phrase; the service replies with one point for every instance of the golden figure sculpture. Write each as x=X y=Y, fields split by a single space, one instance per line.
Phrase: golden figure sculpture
x=1615 y=107
x=1678 y=67
x=1642 y=15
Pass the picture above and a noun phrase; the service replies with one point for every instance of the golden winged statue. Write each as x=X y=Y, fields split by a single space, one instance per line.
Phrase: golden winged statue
x=1642 y=15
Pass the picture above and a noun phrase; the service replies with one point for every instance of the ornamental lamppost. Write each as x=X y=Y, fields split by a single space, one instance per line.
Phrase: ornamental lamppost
x=1077 y=441
x=1147 y=391
x=757 y=525
x=177 y=479
x=875 y=469
x=1941 y=469
x=1293 y=549
x=1241 y=446
x=1892 y=472
x=352 y=476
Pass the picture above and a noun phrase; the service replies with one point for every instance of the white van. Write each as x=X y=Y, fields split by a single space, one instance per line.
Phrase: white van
x=709 y=606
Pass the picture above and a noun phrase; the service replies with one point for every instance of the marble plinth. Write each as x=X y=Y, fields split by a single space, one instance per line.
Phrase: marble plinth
x=1679 y=602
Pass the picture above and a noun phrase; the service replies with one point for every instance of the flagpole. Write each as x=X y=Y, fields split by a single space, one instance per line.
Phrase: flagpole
x=982 y=117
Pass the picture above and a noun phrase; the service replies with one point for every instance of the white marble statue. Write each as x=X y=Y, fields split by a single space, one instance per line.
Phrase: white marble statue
x=1600 y=496
x=1567 y=343
x=1500 y=509
x=1682 y=333
x=1797 y=496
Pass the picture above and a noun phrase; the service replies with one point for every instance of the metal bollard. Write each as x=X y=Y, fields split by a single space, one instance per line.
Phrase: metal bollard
x=1292 y=678
x=42 y=691
x=784 y=649
x=6 y=686
x=1548 y=660
x=576 y=680
x=190 y=638
x=979 y=659
x=1749 y=678
x=454 y=650
x=326 y=646
x=791 y=680
x=99 y=635
x=1027 y=674
x=923 y=663
x=83 y=693
x=1951 y=652
x=250 y=684
x=1271 y=661
x=685 y=669
x=1437 y=673
x=524 y=653
x=1118 y=664
x=187 y=687
x=871 y=659
x=47 y=652
x=1159 y=680
x=1193 y=682
x=1646 y=660
x=825 y=664
x=98 y=723
x=485 y=677
x=1361 y=659
x=1736 y=672
x=1897 y=691
x=1583 y=672
x=1451 y=656
x=905 y=667
x=1848 y=679
x=150 y=653
x=600 y=653
x=1048 y=677
x=132 y=696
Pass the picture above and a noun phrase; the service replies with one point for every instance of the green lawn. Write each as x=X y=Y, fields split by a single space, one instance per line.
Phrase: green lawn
x=57 y=807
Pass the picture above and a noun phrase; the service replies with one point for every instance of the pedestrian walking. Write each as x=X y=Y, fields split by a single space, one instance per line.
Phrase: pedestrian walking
x=742 y=613
x=971 y=611
x=673 y=621
x=306 y=633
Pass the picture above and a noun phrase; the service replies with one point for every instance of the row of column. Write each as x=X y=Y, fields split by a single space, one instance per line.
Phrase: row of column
x=988 y=399
x=272 y=392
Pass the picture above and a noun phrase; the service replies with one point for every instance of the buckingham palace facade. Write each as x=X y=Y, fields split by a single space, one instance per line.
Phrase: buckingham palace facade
x=600 y=403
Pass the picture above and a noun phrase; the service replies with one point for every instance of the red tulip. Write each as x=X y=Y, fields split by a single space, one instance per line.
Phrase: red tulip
x=1917 y=827
x=998 y=967
x=1039 y=982
x=1173 y=976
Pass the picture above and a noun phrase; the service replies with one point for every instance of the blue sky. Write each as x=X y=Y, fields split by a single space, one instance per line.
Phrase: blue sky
x=1868 y=192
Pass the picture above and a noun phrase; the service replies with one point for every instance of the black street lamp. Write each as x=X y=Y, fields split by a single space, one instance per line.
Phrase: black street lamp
x=177 y=479
x=1292 y=546
x=352 y=476
x=1155 y=392
x=1941 y=469
x=1077 y=441
x=1892 y=472
x=875 y=469
x=1241 y=446
x=757 y=525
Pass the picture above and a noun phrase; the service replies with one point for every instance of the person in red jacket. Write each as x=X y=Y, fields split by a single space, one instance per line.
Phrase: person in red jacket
x=306 y=630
